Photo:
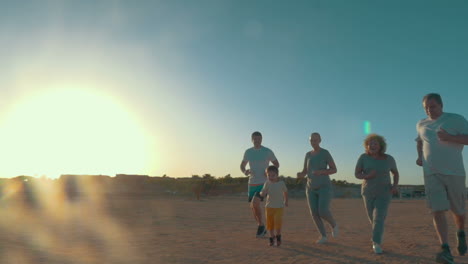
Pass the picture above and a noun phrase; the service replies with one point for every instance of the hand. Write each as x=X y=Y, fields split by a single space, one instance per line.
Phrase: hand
x=443 y=135
x=300 y=175
x=247 y=172
x=394 y=190
x=371 y=175
x=359 y=176
x=419 y=162
x=286 y=203
x=317 y=172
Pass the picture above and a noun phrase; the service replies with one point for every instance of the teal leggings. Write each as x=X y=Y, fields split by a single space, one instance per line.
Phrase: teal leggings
x=377 y=207
x=319 y=204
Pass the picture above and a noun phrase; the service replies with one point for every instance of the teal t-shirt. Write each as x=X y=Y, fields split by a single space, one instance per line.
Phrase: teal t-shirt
x=382 y=183
x=258 y=160
x=319 y=161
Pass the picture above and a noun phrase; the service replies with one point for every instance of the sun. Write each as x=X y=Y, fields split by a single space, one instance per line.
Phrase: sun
x=72 y=131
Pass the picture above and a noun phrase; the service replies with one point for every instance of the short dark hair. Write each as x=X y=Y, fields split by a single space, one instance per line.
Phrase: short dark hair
x=256 y=133
x=272 y=168
x=434 y=96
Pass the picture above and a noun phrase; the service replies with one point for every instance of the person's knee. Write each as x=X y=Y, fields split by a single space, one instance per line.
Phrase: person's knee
x=323 y=212
x=438 y=213
x=255 y=202
x=315 y=213
x=380 y=213
x=252 y=203
x=379 y=218
x=459 y=214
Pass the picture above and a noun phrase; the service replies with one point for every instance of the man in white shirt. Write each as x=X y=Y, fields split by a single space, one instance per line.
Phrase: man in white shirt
x=440 y=142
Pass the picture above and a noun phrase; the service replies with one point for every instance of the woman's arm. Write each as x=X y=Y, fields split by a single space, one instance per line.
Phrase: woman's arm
x=359 y=171
x=302 y=174
x=396 y=179
x=331 y=169
x=359 y=174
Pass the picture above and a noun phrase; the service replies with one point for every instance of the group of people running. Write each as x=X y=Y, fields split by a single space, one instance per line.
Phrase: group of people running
x=439 y=143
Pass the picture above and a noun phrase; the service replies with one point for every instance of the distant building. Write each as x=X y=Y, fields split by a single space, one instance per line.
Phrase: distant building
x=130 y=176
x=411 y=191
x=353 y=191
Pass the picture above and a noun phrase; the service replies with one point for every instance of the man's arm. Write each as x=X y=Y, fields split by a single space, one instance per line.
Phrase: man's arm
x=396 y=179
x=264 y=191
x=459 y=139
x=242 y=168
x=419 y=148
x=302 y=174
x=276 y=163
x=285 y=195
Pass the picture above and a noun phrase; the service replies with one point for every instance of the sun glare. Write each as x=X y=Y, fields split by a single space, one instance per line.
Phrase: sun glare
x=72 y=131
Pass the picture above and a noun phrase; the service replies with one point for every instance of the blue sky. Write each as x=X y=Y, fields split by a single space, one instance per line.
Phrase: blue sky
x=196 y=78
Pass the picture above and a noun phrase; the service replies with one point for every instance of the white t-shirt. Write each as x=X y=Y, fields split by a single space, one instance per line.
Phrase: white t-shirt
x=258 y=159
x=441 y=156
x=274 y=192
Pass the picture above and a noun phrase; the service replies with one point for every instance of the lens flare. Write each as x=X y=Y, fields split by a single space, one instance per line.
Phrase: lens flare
x=367 y=127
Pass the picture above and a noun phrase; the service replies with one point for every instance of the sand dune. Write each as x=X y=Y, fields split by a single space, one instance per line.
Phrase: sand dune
x=213 y=230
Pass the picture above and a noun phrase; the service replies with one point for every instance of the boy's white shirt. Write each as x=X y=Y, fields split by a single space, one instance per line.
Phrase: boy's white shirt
x=274 y=192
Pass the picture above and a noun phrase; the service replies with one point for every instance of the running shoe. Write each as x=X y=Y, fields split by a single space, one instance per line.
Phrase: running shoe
x=461 y=243
x=278 y=240
x=322 y=240
x=261 y=231
x=272 y=241
x=445 y=257
x=377 y=248
x=335 y=231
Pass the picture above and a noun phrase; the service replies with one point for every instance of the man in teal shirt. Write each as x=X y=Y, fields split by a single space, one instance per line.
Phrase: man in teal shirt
x=258 y=157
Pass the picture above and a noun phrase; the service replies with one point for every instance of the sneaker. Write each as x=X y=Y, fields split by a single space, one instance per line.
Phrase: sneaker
x=461 y=243
x=322 y=240
x=445 y=257
x=335 y=231
x=377 y=248
x=261 y=231
x=272 y=241
x=278 y=240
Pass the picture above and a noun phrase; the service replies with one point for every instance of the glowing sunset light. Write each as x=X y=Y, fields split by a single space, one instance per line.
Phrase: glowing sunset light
x=72 y=131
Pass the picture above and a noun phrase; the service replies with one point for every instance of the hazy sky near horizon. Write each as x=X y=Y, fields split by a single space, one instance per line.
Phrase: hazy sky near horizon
x=177 y=87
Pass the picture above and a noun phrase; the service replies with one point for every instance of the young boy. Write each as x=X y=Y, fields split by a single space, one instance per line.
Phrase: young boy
x=277 y=197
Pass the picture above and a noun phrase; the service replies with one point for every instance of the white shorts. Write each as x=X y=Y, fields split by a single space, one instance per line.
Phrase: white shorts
x=445 y=192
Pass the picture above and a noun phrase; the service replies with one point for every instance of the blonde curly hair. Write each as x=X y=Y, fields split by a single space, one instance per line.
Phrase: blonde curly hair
x=379 y=139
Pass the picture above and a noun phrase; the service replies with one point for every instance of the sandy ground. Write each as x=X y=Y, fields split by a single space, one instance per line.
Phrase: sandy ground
x=213 y=230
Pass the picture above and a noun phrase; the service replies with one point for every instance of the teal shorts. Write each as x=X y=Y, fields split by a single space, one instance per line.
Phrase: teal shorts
x=254 y=191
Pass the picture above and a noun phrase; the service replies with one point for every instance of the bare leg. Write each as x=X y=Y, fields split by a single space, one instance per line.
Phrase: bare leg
x=461 y=237
x=257 y=212
x=459 y=221
x=278 y=237
x=440 y=224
